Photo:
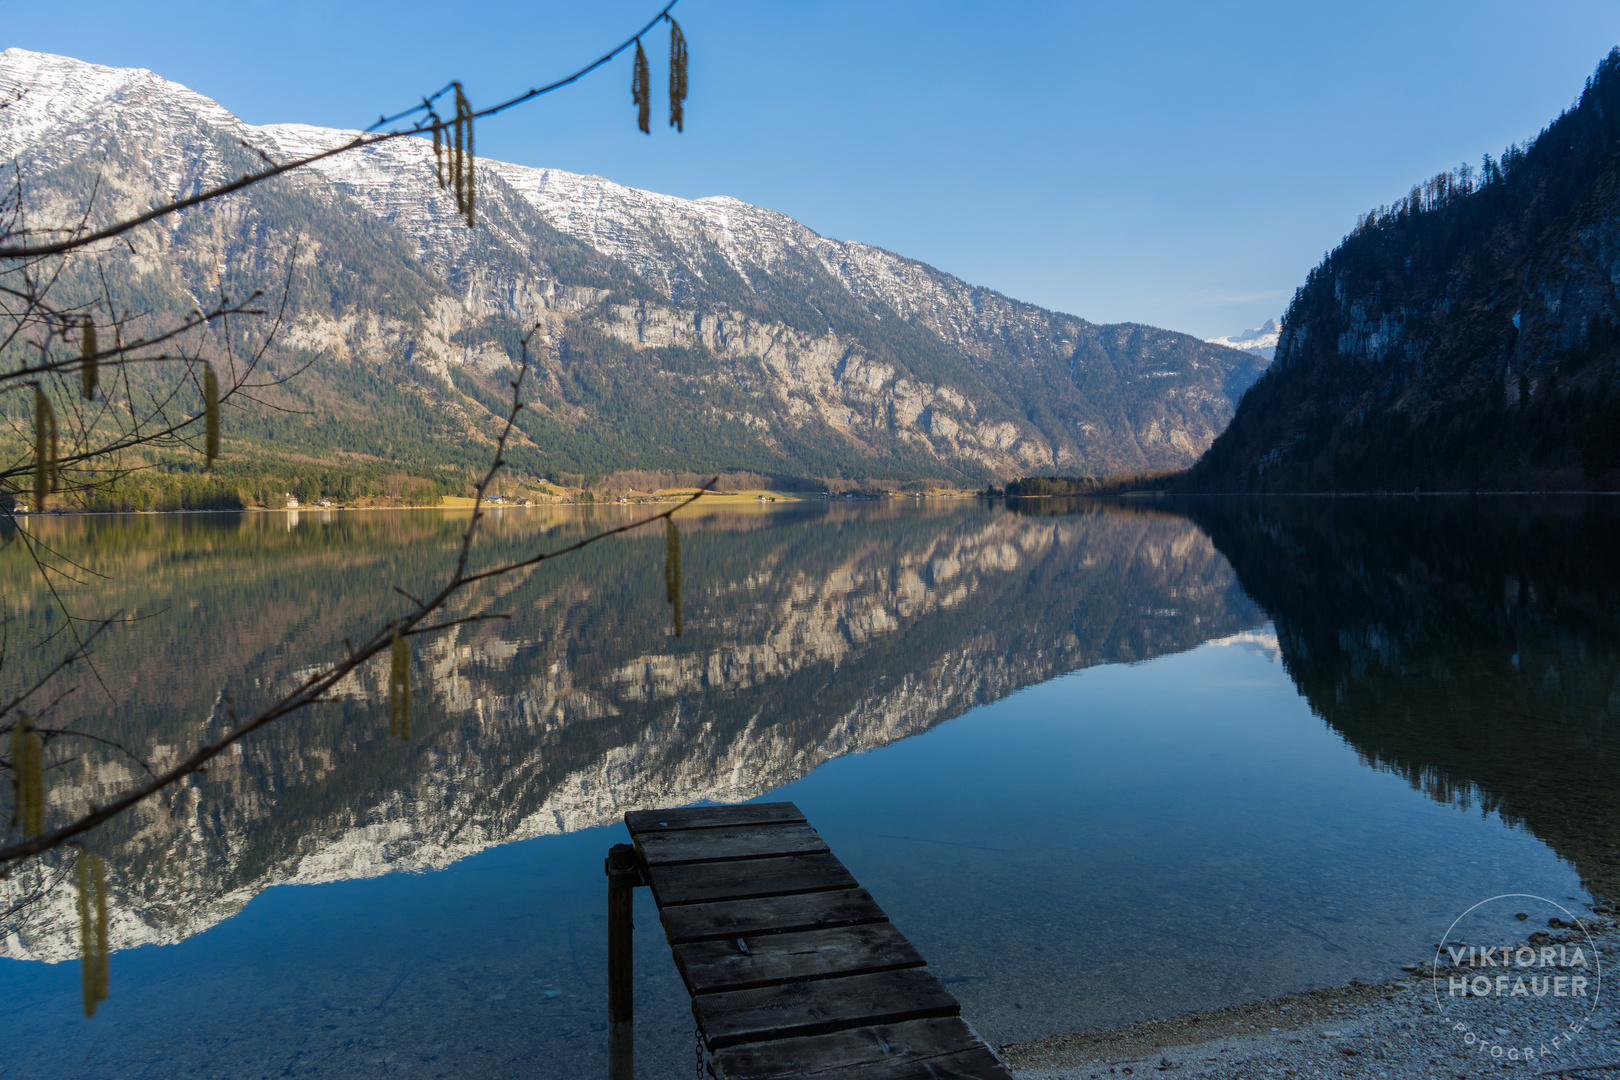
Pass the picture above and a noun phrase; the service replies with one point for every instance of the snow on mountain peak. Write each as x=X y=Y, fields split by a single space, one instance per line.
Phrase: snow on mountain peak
x=44 y=93
x=1260 y=340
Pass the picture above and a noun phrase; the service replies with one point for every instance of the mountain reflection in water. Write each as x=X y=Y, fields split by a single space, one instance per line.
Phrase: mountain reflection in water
x=1149 y=815
x=809 y=633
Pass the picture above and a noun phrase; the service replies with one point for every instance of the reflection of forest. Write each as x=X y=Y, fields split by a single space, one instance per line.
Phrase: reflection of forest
x=810 y=633
x=1469 y=644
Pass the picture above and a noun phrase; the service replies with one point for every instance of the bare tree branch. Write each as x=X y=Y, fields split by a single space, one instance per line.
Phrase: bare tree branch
x=313 y=690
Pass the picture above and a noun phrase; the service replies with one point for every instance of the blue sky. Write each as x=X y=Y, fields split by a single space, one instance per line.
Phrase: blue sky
x=1175 y=163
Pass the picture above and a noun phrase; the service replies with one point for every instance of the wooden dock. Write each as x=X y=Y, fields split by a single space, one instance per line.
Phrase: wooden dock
x=794 y=970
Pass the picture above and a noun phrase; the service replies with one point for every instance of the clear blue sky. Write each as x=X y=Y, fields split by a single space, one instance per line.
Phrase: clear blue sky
x=1175 y=163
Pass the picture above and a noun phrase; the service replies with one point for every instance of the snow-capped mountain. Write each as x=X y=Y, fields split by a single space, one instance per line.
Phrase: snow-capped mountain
x=788 y=352
x=1260 y=340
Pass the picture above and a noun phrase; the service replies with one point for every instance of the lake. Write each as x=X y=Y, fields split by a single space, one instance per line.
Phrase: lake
x=1099 y=760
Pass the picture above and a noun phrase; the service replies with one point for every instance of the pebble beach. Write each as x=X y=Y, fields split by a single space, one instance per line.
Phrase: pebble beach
x=1407 y=1027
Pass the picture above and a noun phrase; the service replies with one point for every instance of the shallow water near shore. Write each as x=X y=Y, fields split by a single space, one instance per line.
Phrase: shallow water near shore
x=1098 y=764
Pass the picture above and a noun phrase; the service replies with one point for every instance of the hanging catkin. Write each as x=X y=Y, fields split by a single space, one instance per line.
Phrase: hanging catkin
x=461 y=156
x=677 y=76
x=641 y=91
x=456 y=140
x=92 y=931
x=672 y=569
x=88 y=375
x=210 y=413
x=28 y=775
x=465 y=108
x=399 y=688
x=44 y=449
x=438 y=145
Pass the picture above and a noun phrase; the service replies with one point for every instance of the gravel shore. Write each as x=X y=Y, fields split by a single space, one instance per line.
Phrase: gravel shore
x=1405 y=1027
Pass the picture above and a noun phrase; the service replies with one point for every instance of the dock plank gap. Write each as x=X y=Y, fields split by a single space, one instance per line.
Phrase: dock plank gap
x=794 y=970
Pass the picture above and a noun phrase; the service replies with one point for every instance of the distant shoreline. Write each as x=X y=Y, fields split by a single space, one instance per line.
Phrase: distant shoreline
x=728 y=499
x=712 y=499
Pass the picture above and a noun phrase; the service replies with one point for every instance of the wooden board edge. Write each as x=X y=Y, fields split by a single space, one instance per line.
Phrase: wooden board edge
x=791 y=928
x=761 y=984
x=745 y=857
x=854 y=1053
x=769 y=894
x=979 y=1062
x=634 y=818
x=827 y=1027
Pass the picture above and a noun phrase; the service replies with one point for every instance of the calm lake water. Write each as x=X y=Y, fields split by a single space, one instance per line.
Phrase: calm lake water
x=1099 y=761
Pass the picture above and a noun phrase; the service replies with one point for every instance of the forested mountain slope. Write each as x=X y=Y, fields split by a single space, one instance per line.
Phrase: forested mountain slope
x=1465 y=338
x=677 y=334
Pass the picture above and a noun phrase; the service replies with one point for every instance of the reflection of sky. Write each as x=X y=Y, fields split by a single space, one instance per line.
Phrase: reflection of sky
x=1130 y=840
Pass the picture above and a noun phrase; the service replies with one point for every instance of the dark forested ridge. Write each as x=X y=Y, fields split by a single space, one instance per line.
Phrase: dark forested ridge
x=1465 y=338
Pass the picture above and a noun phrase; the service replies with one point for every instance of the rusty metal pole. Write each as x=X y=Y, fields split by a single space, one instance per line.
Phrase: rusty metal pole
x=623 y=875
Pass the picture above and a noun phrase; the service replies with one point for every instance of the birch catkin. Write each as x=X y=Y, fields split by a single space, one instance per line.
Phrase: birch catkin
x=677 y=77
x=456 y=138
x=466 y=111
x=672 y=569
x=641 y=91
x=44 y=449
x=399 y=688
x=28 y=775
x=438 y=151
x=89 y=376
x=461 y=156
x=210 y=413
x=92 y=931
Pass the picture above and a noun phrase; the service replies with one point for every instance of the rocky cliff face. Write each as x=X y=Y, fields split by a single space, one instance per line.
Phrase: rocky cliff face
x=806 y=639
x=1467 y=337
x=813 y=356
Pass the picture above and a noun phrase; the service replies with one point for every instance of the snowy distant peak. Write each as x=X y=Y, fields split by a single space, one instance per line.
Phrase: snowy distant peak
x=44 y=93
x=1261 y=340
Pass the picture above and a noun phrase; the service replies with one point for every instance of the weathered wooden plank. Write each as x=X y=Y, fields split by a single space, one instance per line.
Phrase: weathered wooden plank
x=712 y=966
x=745 y=879
x=734 y=842
x=711 y=817
x=770 y=915
x=941 y=1048
x=976 y=1064
x=822 y=1005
